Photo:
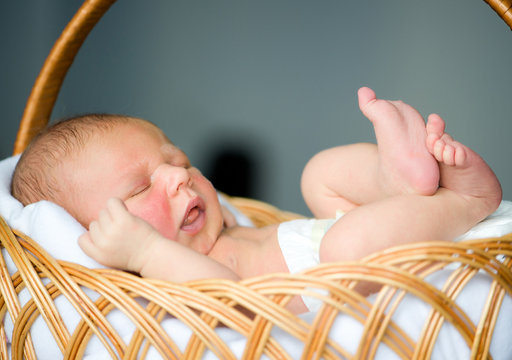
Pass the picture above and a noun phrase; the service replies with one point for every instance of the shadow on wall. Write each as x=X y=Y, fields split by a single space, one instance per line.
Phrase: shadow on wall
x=233 y=168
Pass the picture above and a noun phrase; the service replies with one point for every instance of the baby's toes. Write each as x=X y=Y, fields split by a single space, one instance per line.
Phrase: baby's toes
x=431 y=141
x=447 y=138
x=438 y=149
x=448 y=155
x=435 y=125
x=460 y=154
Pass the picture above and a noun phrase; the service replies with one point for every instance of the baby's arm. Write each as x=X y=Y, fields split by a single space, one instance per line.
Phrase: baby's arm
x=121 y=240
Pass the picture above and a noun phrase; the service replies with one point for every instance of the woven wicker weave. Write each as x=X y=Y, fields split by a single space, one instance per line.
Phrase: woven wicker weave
x=203 y=305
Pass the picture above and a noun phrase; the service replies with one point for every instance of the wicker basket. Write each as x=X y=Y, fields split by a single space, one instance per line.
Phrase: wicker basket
x=203 y=305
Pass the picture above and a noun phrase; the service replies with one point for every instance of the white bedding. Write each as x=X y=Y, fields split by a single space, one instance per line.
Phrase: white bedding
x=56 y=231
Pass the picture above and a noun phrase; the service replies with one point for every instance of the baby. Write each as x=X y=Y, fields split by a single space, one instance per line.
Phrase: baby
x=149 y=211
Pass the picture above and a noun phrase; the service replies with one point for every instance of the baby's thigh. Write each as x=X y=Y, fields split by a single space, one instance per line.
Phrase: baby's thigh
x=345 y=240
x=332 y=249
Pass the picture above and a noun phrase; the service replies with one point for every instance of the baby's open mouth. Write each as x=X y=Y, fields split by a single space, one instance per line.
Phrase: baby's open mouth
x=194 y=218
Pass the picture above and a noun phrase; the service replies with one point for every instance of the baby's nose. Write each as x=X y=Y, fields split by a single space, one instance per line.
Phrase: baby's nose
x=172 y=177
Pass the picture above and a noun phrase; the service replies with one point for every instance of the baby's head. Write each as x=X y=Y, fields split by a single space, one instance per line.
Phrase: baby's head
x=81 y=162
x=37 y=174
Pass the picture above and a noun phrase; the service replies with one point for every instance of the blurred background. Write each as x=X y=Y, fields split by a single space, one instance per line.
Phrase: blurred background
x=252 y=89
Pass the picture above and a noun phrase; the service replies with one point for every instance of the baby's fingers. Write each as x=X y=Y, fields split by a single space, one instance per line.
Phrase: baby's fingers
x=89 y=248
x=116 y=206
x=105 y=219
x=84 y=241
x=95 y=233
x=118 y=212
x=112 y=220
x=98 y=247
x=114 y=211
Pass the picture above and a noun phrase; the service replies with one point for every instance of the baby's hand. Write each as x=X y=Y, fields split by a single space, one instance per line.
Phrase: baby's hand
x=118 y=239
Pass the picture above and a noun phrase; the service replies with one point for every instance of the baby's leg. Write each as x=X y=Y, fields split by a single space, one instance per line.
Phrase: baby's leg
x=469 y=192
x=344 y=177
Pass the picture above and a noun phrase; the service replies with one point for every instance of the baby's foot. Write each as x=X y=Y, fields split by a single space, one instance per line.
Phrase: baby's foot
x=406 y=165
x=461 y=169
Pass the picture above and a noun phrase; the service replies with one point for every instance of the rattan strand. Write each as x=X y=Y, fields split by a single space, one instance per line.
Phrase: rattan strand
x=503 y=8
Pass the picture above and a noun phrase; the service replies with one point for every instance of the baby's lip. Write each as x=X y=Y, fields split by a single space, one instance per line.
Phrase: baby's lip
x=194 y=217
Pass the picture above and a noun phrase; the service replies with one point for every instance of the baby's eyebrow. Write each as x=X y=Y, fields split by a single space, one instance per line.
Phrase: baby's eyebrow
x=134 y=176
x=174 y=152
x=168 y=149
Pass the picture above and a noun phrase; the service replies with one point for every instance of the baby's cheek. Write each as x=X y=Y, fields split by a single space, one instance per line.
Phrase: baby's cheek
x=156 y=213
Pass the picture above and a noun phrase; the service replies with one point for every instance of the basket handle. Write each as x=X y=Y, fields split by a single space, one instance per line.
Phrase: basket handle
x=46 y=88
x=503 y=8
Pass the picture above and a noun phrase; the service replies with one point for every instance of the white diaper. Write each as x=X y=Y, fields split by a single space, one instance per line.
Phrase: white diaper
x=300 y=244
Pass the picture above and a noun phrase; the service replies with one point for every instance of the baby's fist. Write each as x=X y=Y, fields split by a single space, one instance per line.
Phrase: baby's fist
x=117 y=237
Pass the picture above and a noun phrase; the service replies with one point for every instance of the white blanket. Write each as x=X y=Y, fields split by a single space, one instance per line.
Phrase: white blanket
x=56 y=231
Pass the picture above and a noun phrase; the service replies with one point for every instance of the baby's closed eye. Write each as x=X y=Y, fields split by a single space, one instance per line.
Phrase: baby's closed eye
x=140 y=189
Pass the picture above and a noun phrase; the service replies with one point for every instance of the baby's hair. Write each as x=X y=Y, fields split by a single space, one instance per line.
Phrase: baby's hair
x=34 y=177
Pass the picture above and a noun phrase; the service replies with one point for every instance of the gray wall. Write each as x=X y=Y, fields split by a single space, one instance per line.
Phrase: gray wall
x=278 y=76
